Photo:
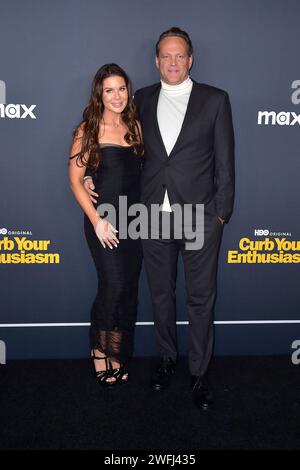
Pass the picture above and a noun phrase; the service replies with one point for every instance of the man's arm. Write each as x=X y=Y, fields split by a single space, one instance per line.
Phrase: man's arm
x=224 y=160
x=89 y=186
x=136 y=101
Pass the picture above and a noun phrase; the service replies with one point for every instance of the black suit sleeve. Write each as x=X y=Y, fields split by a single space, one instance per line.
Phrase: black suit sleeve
x=224 y=160
x=88 y=172
x=136 y=102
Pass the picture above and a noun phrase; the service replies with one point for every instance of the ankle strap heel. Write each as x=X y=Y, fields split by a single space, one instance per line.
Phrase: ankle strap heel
x=102 y=376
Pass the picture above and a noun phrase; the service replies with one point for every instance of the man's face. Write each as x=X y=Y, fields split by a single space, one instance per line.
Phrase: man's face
x=173 y=61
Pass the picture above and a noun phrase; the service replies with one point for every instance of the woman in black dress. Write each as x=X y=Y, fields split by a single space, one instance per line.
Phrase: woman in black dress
x=108 y=145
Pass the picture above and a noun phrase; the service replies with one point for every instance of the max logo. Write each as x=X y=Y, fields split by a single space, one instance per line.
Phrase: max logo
x=283 y=118
x=2 y=352
x=13 y=111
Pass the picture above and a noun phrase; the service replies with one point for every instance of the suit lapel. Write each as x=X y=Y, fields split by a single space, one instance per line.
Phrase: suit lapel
x=191 y=111
x=153 y=119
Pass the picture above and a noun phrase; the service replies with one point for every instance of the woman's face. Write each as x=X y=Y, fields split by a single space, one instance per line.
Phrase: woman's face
x=115 y=94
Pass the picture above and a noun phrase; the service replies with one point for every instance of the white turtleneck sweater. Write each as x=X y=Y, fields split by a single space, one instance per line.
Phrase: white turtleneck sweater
x=171 y=109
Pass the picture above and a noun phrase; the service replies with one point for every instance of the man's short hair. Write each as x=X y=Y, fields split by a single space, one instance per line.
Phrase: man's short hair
x=174 y=31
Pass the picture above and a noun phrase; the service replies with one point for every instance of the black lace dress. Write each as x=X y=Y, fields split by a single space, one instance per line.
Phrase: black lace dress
x=114 y=310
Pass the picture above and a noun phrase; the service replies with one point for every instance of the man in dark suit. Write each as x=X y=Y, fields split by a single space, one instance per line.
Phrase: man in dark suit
x=189 y=160
x=188 y=137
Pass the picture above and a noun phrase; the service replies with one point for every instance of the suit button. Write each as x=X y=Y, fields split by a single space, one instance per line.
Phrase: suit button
x=167 y=164
x=163 y=185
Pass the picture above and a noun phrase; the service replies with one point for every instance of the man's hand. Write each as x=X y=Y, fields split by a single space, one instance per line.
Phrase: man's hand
x=89 y=186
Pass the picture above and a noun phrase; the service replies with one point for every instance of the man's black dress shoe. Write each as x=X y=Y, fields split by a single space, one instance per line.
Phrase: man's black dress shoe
x=162 y=376
x=202 y=394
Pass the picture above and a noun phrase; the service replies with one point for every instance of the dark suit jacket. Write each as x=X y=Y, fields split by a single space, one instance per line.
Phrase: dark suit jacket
x=200 y=168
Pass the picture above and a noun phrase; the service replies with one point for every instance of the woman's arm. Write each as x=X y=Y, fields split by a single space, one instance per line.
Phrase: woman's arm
x=104 y=230
x=76 y=175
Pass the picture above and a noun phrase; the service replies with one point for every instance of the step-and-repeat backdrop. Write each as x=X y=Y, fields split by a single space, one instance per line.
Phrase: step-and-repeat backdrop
x=50 y=51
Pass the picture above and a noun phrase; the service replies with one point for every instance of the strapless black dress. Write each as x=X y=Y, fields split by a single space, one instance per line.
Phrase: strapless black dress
x=114 y=310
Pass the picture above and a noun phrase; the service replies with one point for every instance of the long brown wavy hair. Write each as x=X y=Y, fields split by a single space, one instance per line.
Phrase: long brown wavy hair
x=93 y=114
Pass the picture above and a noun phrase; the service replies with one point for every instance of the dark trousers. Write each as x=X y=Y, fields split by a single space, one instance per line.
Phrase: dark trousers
x=200 y=268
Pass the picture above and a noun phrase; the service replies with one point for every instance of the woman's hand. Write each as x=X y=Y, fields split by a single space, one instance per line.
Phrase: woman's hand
x=105 y=231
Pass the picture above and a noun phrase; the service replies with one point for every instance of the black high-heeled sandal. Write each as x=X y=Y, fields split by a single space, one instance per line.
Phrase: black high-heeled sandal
x=103 y=375
x=120 y=374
